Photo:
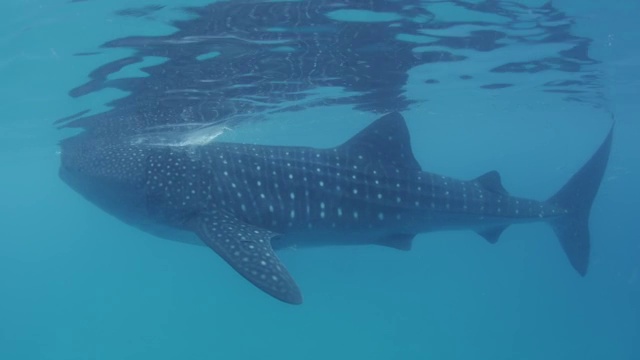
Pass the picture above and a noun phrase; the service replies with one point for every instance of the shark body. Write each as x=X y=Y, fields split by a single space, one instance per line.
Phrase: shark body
x=244 y=201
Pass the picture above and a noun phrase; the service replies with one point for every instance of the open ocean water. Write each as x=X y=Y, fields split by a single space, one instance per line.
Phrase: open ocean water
x=527 y=88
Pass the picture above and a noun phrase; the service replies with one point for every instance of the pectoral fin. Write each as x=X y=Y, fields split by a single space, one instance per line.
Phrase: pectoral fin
x=248 y=250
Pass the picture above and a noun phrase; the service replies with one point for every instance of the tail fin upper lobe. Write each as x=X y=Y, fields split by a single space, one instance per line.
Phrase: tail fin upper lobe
x=576 y=197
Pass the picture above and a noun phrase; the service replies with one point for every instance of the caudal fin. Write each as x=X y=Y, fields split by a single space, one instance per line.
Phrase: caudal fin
x=576 y=197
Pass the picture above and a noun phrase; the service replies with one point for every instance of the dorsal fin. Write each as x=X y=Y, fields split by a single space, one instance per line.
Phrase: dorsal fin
x=491 y=182
x=386 y=139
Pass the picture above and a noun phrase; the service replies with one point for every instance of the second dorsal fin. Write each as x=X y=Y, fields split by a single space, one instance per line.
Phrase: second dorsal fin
x=491 y=181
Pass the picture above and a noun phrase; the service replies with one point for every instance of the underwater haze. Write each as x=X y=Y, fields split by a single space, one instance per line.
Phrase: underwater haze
x=527 y=88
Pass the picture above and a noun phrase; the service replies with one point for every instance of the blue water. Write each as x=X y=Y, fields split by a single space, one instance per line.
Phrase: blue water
x=76 y=283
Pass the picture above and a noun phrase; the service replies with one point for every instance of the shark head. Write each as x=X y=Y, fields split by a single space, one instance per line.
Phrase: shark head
x=106 y=172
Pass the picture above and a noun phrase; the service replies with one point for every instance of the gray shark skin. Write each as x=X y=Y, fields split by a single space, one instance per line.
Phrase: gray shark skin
x=244 y=201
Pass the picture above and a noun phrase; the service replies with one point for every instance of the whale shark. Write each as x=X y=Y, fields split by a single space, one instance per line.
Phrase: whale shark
x=246 y=201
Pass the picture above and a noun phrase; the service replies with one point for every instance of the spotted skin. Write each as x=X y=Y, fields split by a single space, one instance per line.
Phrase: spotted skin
x=245 y=200
x=248 y=249
x=284 y=189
